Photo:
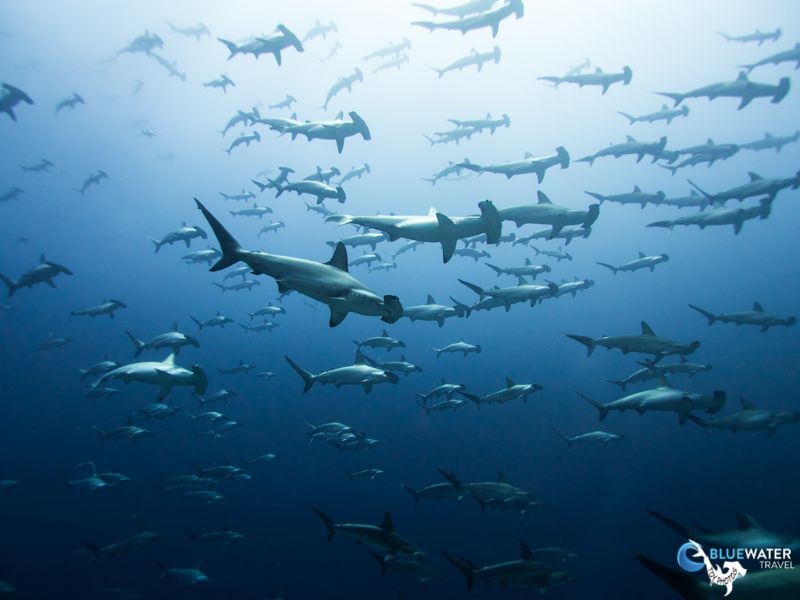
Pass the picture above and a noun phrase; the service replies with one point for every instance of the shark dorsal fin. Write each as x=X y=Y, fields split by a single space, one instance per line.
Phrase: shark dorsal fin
x=339 y=258
x=170 y=360
x=509 y=382
x=488 y=115
x=430 y=300
x=527 y=261
x=387 y=524
x=630 y=138
x=664 y=107
x=746 y=404
x=340 y=115
x=641 y=254
x=522 y=281
x=693 y=193
x=598 y=71
x=709 y=142
x=757 y=307
x=385 y=333
x=754 y=176
x=768 y=135
x=501 y=477
x=746 y=521
x=543 y=199
x=636 y=188
x=525 y=553
x=527 y=155
x=175 y=326
x=742 y=76
x=647 y=330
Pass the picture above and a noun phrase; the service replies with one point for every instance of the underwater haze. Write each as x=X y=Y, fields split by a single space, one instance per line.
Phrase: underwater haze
x=121 y=483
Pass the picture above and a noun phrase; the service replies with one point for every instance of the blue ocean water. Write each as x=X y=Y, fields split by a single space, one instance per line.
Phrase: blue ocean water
x=594 y=498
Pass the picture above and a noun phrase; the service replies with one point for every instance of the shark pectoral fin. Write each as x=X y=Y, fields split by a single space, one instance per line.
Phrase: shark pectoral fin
x=339 y=144
x=282 y=287
x=164 y=384
x=745 y=101
x=338 y=313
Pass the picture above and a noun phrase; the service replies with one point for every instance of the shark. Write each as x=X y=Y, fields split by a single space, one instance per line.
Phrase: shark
x=756 y=316
x=474 y=58
x=643 y=262
x=329 y=283
x=165 y=374
x=547 y=213
x=343 y=83
x=599 y=78
x=490 y=18
x=44 y=272
x=10 y=97
x=433 y=227
x=719 y=215
x=665 y=114
x=337 y=129
x=525 y=572
x=741 y=88
x=529 y=164
x=647 y=342
x=281 y=39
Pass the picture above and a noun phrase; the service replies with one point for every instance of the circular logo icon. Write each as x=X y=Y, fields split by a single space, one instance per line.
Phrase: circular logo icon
x=686 y=563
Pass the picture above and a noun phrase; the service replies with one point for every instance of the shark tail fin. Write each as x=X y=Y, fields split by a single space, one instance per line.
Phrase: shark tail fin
x=231 y=250
x=586 y=341
x=683 y=583
x=563 y=437
x=630 y=118
x=329 y=523
x=608 y=266
x=466 y=569
x=10 y=284
x=674 y=525
x=411 y=491
x=138 y=344
x=308 y=378
x=602 y=410
x=677 y=98
x=92 y=547
x=198 y=323
x=232 y=48
x=711 y=318
x=621 y=384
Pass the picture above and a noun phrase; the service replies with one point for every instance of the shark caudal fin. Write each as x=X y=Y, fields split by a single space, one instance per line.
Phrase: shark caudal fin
x=563 y=437
x=586 y=341
x=231 y=250
x=232 y=48
x=475 y=288
x=677 y=98
x=138 y=344
x=711 y=318
x=10 y=284
x=466 y=568
x=672 y=524
x=621 y=384
x=308 y=378
x=682 y=582
x=329 y=523
x=612 y=268
x=630 y=118
x=411 y=491
x=601 y=409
